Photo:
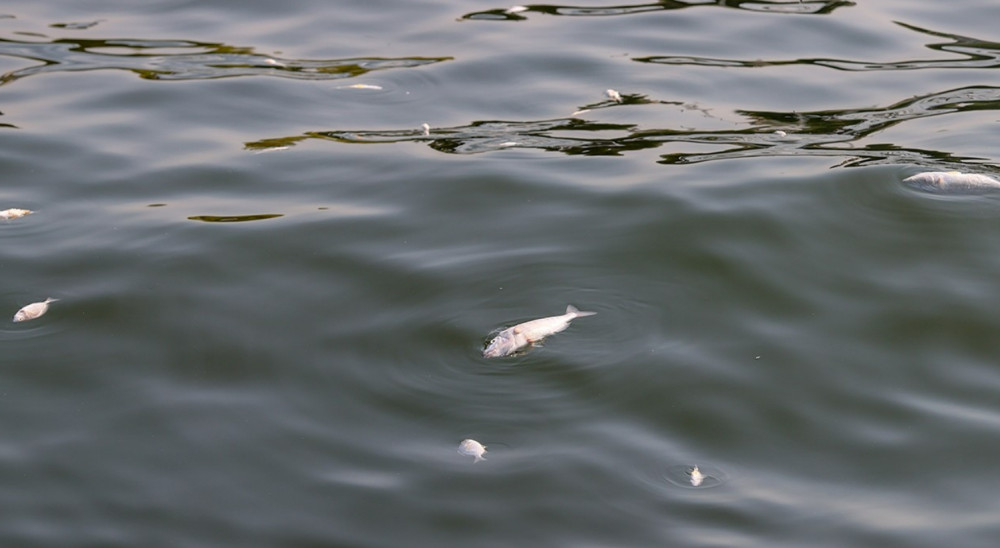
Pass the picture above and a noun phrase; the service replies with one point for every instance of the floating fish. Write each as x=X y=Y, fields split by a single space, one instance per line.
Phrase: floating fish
x=521 y=335
x=614 y=95
x=472 y=448
x=33 y=310
x=14 y=213
x=953 y=182
x=696 y=476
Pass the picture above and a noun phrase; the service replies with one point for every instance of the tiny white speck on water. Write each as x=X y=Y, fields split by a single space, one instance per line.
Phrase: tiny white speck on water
x=472 y=448
x=696 y=476
x=361 y=86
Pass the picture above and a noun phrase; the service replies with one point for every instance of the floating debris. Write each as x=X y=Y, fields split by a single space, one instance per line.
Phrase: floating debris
x=361 y=86
x=14 y=213
x=508 y=144
x=472 y=448
x=271 y=149
x=427 y=128
x=780 y=133
x=521 y=335
x=516 y=9
x=614 y=95
x=581 y=111
x=696 y=476
x=953 y=182
x=33 y=310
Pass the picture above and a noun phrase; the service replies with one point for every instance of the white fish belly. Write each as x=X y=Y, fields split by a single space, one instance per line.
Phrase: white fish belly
x=953 y=182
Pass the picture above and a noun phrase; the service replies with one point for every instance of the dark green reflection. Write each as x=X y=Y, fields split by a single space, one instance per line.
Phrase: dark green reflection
x=761 y=133
x=233 y=218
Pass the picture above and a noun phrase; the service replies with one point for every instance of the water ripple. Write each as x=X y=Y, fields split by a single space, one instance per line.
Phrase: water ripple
x=186 y=60
x=972 y=53
x=794 y=7
x=827 y=133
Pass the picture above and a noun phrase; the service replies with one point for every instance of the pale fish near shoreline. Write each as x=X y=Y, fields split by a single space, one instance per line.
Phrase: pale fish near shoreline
x=512 y=339
x=472 y=448
x=33 y=310
x=14 y=213
x=953 y=182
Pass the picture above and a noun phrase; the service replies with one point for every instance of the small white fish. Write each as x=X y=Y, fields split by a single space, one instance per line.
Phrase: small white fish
x=953 y=182
x=696 y=476
x=14 y=213
x=33 y=310
x=614 y=95
x=427 y=128
x=516 y=9
x=472 y=448
x=512 y=339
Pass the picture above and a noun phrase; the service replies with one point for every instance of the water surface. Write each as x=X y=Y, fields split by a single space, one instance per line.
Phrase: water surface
x=275 y=285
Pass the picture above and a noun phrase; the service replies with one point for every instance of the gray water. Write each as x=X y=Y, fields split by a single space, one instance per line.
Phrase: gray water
x=275 y=287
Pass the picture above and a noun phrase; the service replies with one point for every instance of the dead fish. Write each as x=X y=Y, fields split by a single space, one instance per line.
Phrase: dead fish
x=33 y=310
x=953 y=182
x=521 y=335
x=614 y=95
x=696 y=476
x=14 y=213
x=472 y=448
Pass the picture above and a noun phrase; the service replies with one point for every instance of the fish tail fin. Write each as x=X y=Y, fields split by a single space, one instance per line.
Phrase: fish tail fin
x=570 y=309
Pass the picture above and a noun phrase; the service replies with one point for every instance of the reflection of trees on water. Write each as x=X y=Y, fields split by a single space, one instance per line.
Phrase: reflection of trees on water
x=184 y=60
x=762 y=133
x=964 y=53
x=814 y=7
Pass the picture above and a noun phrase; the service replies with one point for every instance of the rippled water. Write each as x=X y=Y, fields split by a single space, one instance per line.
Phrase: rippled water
x=276 y=283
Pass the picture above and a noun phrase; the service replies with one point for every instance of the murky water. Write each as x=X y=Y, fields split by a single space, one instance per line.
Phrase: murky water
x=275 y=282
